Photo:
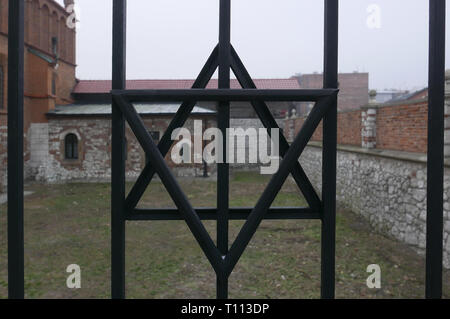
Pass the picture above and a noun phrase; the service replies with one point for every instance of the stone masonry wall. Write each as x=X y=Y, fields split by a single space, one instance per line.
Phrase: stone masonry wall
x=94 y=162
x=37 y=146
x=389 y=192
x=3 y=157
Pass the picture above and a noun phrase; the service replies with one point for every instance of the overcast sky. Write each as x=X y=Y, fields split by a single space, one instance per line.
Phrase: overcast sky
x=275 y=38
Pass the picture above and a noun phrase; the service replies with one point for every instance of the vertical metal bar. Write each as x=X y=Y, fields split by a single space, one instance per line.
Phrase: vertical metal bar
x=329 y=152
x=118 y=154
x=223 y=122
x=435 y=150
x=15 y=150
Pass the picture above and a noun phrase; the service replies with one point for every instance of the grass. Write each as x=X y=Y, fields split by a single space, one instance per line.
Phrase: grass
x=70 y=224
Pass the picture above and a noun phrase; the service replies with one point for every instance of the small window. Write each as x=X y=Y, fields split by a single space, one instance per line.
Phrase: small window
x=53 y=84
x=71 y=146
x=55 y=46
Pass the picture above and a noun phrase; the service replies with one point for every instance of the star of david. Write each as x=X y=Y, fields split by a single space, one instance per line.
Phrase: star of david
x=223 y=264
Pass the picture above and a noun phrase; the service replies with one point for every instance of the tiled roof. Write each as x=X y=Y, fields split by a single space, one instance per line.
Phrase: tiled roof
x=104 y=86
x=105 y=109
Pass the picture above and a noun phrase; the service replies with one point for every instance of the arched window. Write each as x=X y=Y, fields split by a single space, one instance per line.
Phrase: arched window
x=71 y=146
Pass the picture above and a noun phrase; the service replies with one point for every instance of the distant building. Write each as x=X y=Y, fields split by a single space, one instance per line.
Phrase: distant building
x=384 y=96
x=49 y=75
x=98 y=91
x=79 y=141
x=354 y=88
x=416 y=95
x=67 y=122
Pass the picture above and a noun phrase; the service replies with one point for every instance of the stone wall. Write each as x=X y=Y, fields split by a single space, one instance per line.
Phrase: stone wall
x=38 y=147
x=388 y=188
x=3 y=157
x=94 y=162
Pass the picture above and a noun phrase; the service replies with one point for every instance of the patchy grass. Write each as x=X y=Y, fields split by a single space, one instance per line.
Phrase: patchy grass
x=67 y=224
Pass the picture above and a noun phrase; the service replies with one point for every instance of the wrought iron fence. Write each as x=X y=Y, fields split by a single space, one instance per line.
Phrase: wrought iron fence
x=224 y=57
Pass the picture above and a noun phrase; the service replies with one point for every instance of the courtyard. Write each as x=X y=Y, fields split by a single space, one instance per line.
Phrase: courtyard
x=70 y=224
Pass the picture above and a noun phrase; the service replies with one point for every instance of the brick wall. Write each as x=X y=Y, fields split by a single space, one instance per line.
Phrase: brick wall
x=44 y=19
x=349 y=128
x=401 y=127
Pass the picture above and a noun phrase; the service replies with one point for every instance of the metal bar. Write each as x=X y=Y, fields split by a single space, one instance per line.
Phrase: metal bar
x=173 y=188
x=223 y=123
x=178 y=121
x=234 y=214
x=329 y=152
x=435 y=164
x=268 y=121
x=118 y=155
x=196 y=95
x=15 y=149
x=277 y=181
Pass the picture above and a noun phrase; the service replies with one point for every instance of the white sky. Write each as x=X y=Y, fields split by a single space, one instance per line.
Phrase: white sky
x=173 y=38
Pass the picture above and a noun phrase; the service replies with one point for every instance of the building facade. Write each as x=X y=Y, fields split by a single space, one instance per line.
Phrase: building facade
x=354 y=89
x=67 y=125
x=49 y=73
x=98 y=90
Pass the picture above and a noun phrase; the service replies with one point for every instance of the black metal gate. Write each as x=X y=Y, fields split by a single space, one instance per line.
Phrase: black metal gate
x=222 y=256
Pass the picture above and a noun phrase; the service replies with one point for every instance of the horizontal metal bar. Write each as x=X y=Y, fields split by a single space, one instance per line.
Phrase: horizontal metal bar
x=224 y=95
x=241 y=213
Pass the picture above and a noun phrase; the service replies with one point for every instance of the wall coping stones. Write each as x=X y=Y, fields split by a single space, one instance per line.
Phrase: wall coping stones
x=391 y=154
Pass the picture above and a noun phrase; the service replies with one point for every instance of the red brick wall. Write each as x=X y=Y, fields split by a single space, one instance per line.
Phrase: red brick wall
x=403 y=127
x=44 y=19
x=399 y=127
x=349 y=128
